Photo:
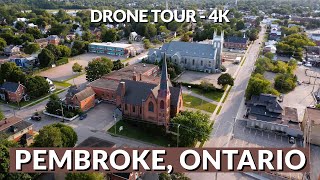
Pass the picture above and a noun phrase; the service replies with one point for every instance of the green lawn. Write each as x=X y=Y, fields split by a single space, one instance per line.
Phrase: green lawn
x=218 y=112
x=144 y=132
x=225 y=98
x=214 y=95
x=197 y=103
x=62 y=84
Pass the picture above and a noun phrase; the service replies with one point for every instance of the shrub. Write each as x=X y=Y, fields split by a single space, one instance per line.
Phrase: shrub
x=62 y=61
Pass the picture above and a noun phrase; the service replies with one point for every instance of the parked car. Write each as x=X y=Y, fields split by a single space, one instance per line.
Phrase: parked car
x=292 y=140
x=36 y=118
x=83 y=116
x=308 y=64
x=299 y=82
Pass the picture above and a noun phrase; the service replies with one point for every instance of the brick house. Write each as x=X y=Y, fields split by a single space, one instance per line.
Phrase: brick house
x=53 y=39
x=11 y=91
x=15 y=129
x=234 y=42
x=83 y=99
x=155 y=103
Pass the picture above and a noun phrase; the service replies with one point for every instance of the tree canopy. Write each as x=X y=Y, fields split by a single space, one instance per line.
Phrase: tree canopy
x=56 y=135
x=98 y=67
x=225 y=79
x=194 y=126
x=46 y=58
x=257 y=85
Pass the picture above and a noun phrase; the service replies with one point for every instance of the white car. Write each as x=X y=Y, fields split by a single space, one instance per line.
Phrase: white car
x=308 y=65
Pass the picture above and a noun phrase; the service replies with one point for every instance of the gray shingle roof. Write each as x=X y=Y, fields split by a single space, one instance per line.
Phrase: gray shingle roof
x=10 y=86
x=18 y=126
x=189 y=49
x=136 y=91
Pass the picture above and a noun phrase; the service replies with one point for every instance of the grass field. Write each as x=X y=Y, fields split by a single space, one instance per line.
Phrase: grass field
x=197 y=103
x=214 y=95
x=147 y=133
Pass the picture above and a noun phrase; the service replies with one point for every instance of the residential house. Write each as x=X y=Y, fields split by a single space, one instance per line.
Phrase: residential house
x=270 y=48
x=78 y=98
x=154 y=103
x=105 y=87
x=53 y=39
x=43 y=42
x=192 y=56
x=311 y=126
x=13 y=92
x=23 y=62
x=264 y=112
x=31 y=25
x=114 y=49
x=16 y=129
x=96 y=32
x=234 y=42
x=134 y=37
x=11 y=50
x=316 y=38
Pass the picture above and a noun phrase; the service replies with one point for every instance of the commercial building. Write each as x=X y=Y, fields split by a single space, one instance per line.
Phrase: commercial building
x=114 y=49
x=264 y=112
x=234 y=42
x=311 y=126
x=192 y=56
x=15 y=129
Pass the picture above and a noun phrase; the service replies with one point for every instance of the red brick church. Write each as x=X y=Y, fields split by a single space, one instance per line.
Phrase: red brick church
x=155 y=103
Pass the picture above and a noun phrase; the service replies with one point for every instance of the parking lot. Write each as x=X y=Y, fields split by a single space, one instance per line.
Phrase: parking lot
x=196 y=77
x=301 y=96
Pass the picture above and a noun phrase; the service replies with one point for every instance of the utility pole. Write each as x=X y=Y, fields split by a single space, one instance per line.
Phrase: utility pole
x=178 y=134
x=62 y=113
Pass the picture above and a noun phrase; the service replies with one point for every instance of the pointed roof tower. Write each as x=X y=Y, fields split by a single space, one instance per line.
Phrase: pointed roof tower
x=164 y=81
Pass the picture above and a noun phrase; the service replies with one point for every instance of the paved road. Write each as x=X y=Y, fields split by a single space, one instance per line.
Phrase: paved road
x=223 y=125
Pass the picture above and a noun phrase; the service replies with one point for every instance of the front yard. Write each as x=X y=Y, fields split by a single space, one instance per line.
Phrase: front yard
x=197 y=103
x=214 y=95
x=143 y=132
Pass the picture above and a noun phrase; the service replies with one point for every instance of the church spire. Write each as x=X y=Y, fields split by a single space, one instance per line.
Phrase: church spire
x=164 y=81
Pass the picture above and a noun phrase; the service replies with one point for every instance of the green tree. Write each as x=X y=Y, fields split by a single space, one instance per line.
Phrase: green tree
x=46 y=58
x=76 y=68
x=109 y=35
x=54 y=50
x=53 y=104
x=225 y=79
x=79 y=47
x=37 y=86
x=240 y=25
x=117 y=65
x=27 y=37
x=65 y=51
x=269 y=55
x=284 y=83
x=3 y=44
x=32 y=48
x=56 y=135
x=185 y=38
x=5 y=145
x=146 y=43
x=20 y=25
x=1 y=115
x=35 y=32
x=85 y=176
x=98 y=67
x=194 y=126
x=257 y=85
x=9 y=71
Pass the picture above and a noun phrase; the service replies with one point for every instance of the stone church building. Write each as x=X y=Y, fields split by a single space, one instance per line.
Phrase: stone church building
x=155 y=103
x=192 y=56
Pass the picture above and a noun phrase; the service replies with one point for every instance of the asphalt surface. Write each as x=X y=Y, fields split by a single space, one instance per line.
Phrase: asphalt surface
x=222 y=128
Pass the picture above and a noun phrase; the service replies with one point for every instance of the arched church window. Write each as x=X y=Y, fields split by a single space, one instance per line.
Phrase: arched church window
x=161 y=104
x=151 y=107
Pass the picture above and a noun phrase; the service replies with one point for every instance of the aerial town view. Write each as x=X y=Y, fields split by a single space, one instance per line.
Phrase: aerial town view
x=250 y=82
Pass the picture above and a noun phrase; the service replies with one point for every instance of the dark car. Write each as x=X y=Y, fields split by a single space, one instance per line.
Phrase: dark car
x=36 y=118
x=83 y=116
x=292 y=140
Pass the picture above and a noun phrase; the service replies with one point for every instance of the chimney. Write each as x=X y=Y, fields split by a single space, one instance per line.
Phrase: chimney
x=122 y=88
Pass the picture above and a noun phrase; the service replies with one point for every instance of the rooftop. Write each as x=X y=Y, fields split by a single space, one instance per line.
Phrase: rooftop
x=10 y=86
x=236 y=39
x=189 y=49
x=314 y=115
x=109 y=44
x=95 y=142
x=105 y=84
x=6 y=123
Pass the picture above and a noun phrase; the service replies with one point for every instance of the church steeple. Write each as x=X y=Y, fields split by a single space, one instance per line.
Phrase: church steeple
x=164 y=81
